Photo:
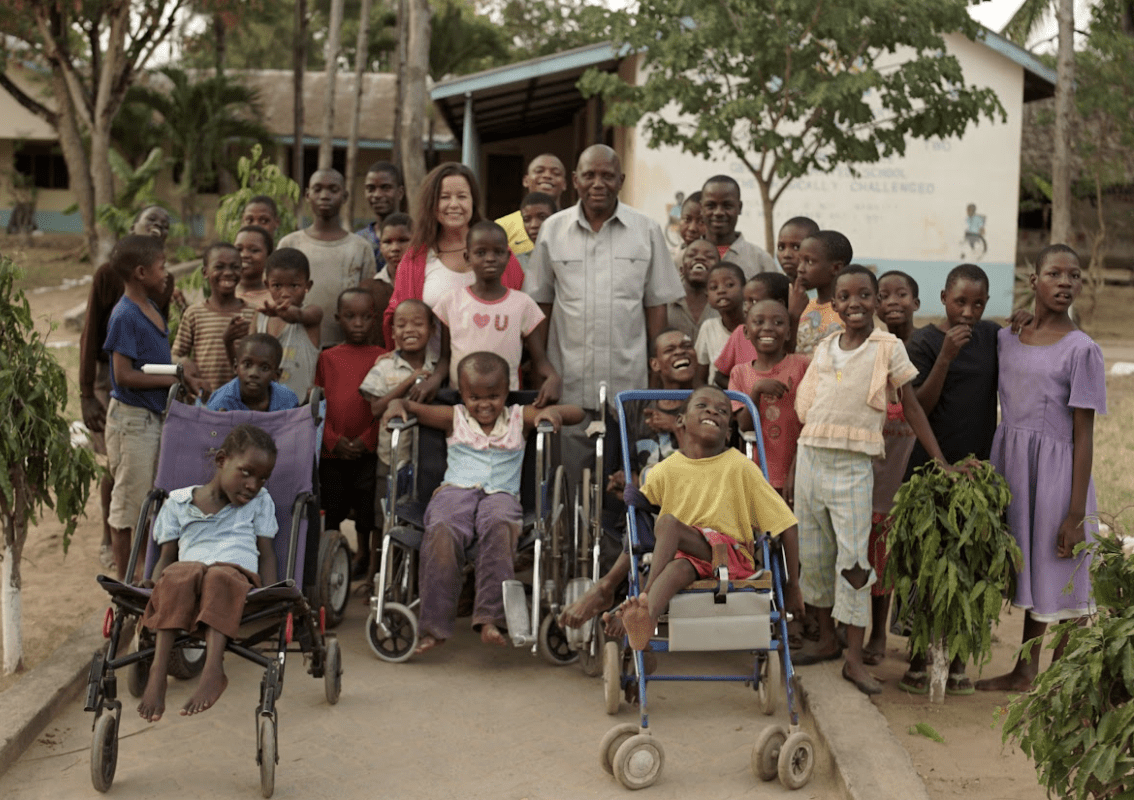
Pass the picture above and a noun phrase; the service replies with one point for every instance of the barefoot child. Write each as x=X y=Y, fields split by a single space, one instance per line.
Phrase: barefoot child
x=726 y=297
x=286 y=317
x=479 y=498
x=652 y=434
x=738 y=350
x=710 y=497
x=392 y=377
x=688 y=312
x=216 y=545
x=842 y=403
x=1052 y=383
x=254 y=244
x=255 y=388
x=208 y=326
x=490 y=316
x=897 y=303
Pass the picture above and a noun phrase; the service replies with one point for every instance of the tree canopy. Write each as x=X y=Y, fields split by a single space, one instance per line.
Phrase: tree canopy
x=791 y=87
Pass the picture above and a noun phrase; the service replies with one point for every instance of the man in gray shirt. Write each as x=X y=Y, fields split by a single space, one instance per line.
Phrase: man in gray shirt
x=603 y=274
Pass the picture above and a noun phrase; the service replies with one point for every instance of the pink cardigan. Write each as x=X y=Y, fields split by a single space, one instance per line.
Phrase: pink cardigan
x=410 y=282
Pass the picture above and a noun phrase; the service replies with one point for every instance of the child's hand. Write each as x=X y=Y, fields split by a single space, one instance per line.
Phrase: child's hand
x=289 y=313
x=548 y=415
x=789 y=486
x=1020 y=320
x=346 y=448
x=659 y=421
x=793 y=599
x=771 y=387
x=1070 y=534
x=237 y=329
x=195 y=385
x=424 y=392
x=269 y=308
x=550 y=391
x=396 y=408
x=797 y=299
x=94 y=414
x=178 y=300
x=955 y=338
x=616 y=483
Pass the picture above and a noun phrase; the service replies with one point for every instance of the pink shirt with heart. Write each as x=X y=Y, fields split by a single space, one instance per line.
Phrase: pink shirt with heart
x=499 y=326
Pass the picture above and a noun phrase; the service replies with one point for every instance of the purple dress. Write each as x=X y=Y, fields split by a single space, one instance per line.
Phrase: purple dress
x=1032 y=449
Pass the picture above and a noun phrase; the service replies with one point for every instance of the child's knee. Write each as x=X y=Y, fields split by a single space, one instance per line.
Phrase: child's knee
x=858 y=576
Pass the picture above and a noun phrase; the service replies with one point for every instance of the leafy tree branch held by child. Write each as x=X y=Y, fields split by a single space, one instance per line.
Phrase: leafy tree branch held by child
x=42 y=470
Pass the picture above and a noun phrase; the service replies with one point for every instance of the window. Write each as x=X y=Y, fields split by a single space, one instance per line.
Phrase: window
x=44 y=164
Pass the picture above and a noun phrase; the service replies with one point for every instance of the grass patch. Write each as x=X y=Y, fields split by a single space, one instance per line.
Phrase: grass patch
x=1114 y=452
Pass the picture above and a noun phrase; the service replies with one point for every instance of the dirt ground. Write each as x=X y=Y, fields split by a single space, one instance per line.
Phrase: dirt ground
x=59 y=591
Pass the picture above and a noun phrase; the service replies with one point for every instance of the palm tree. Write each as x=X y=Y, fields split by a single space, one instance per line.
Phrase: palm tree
x=205 y=121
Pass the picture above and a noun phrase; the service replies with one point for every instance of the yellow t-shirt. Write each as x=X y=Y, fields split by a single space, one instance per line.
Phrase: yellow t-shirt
x=726 y=492
x=518 y=241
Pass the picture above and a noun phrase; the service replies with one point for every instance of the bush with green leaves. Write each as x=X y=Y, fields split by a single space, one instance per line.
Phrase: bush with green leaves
x=258 y=175
x=952 y=556
x=1076 y=724
x=41 y=467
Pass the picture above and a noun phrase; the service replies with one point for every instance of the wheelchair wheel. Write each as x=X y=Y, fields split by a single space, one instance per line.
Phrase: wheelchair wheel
x=332 y=586
x=585 y=540
x=590 y=656
x=796 y=761
x=611 y=676
x=267 y=755
x=553 y=645
x=401 y=623
x=766 y=752
x=104 y=751
x=186 y=662
x=333 y=669
x=612 y=740
x=768 y=689
x=138 y=673
x=639 y=761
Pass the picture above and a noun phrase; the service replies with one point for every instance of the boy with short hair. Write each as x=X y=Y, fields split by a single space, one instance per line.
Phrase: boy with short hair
x=255 y=386
x=535 y=208
x=136 y=335
x=385 y=190
x=821 y=256
x=350 y=434
x=720 y=209
x=339 y=260
x=295 y=325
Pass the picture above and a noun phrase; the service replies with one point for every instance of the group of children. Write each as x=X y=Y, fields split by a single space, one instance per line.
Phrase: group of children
x=846 y=409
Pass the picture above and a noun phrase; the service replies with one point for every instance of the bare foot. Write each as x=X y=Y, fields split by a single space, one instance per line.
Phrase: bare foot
x=207 y=694
x=490 y=634
x=636 y=618
x=153 y=700
x=427 y=643
x=612 y=625
x=596 y=600
x=1010 y=682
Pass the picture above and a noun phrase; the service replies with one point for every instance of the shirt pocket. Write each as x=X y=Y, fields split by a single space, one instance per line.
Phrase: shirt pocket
x=631 y=268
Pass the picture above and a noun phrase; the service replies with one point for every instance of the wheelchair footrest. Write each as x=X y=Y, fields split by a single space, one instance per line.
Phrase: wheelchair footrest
x=577 y=638
x=698 y=622
x=516 y=613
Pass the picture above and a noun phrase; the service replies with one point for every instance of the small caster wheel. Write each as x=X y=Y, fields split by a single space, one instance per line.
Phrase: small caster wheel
x=639 y=761
x=768 y=689
x=333 y=669
x=766 y=752
x=611 y=674
x=267 y=756
x=611 y=741
x=398 y=644
x=104 y=751
x=590 y=657
x=797 y=761
x=553 y=644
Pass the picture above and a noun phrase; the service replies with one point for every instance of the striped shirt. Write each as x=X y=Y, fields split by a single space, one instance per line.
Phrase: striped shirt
x=201 y=337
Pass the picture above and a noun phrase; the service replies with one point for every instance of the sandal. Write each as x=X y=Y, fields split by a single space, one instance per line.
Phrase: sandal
x=872 y=658
x=914 y=682
x=959 y=685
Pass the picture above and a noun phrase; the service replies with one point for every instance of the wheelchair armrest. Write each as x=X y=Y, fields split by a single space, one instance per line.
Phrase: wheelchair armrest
x=396 y=424
x=749 y=437
x=720 y=569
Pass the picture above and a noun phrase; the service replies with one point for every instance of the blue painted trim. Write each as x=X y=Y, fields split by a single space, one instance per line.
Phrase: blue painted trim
x=930 y=277
x=1016 y=54
x=49 y=221
x=579 y=58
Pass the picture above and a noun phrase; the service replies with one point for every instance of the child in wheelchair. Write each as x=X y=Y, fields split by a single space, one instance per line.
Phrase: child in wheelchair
x=712 y=500
x=478 y=501
x=216 y=545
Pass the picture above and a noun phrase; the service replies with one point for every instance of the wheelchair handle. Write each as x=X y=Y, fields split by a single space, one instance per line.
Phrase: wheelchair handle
x=545 y=427
x=162 y=369
x=397 y=424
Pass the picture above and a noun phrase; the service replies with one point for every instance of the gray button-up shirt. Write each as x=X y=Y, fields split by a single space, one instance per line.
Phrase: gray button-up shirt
x=749 y=257
x=600 y=283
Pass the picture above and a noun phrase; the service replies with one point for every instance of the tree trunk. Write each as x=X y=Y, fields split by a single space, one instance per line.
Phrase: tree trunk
x=334 y=37
x=298 y=66
x=360 y=59
x=400 y=88
x=15 y=519
x=769 y=206
x=108 y=100
x=220 y=44
x=75 y=156
x=414 y=100
x=1064 y=112
x=937 y=664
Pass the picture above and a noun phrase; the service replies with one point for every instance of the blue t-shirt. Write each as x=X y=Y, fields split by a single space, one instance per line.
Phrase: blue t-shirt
x=371 y=235
x=134 y=335
x=227 y=398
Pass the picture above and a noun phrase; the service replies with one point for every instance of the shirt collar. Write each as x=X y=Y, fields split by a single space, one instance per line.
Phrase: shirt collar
x=582 y=220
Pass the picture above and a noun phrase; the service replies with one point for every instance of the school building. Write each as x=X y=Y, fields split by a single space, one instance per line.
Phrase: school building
x=915 y=213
